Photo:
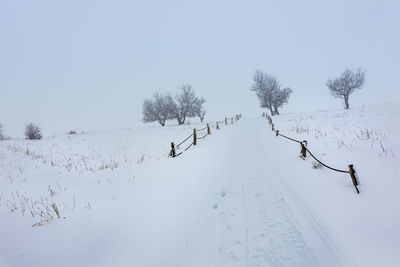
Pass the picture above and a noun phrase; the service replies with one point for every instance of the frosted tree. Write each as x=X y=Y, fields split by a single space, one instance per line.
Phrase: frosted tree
x=163 y=107
x=186 y=104
x=280 y=97
x=269 y=92
x=159 y=109
x=348 y=82
x=199 y=110
x=264 y=85
x=32 y=131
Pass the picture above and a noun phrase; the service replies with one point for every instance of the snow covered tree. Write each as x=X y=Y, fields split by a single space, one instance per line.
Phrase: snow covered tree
x=32 y=131
x=269 y=92
x=186 y=104
x=160 y=108
x=199 y=110
x=346 y=84
x=164 y=107
x=279 y=98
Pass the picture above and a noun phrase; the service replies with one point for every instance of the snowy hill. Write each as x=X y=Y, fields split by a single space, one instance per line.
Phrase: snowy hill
x=241 y=197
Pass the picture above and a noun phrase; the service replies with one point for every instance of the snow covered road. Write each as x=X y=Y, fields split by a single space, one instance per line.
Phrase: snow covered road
x=260 y=220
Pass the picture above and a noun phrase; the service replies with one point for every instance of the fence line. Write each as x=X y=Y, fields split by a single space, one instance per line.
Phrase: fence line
x=333 y=169
x=173 y=153
x=297 y=141
x=202 y=129
x=202 y=136
x=184 y=140
x=305 y=149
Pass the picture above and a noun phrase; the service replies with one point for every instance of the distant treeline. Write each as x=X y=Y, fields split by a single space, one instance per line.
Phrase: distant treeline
x=163 y=107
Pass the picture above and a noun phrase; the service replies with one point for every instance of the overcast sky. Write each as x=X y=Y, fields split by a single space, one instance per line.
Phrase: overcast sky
x=88 y=65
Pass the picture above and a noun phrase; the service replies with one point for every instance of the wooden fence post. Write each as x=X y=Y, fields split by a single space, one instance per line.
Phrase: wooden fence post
x=226 y=121
x=273 y=127
x=194 y=136
x=172 y=153
x=303 y=151
x=217 y=126
x=208 y=129
x=353 y=177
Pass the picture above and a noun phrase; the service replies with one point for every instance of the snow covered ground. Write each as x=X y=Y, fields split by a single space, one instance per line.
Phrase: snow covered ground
x=242 y=197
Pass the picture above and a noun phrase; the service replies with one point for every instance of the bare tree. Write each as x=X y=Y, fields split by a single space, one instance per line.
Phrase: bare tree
x=163 y=107
x=269 y=92
x=264 y=85
x=185 y=104
x=160 y=108
x=199 y=110
x=1 y=132
x=346 y=84
x=280 y=98
x=32 y=131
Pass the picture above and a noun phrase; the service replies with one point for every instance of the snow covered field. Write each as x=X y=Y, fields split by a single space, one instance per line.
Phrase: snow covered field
x=242 y=197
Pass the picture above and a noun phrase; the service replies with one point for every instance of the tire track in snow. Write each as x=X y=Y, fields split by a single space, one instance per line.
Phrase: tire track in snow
x=332 y=254
x=276 y=228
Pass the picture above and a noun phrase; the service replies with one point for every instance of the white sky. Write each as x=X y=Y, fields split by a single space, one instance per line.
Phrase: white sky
x=88 y=65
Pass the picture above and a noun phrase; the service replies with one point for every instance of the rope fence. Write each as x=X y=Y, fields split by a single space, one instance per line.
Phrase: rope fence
x=193 y=137
x=305 y=149
x=202 y=129
x=202 y=136
x=184 y=141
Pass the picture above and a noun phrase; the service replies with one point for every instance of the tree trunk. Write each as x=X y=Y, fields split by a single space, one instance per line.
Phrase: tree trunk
x=161 y=120
x=346 y=102
x=276 y=111
x=271 y=110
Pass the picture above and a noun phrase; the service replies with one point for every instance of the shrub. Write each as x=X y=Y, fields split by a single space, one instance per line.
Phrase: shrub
x=32 y=131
